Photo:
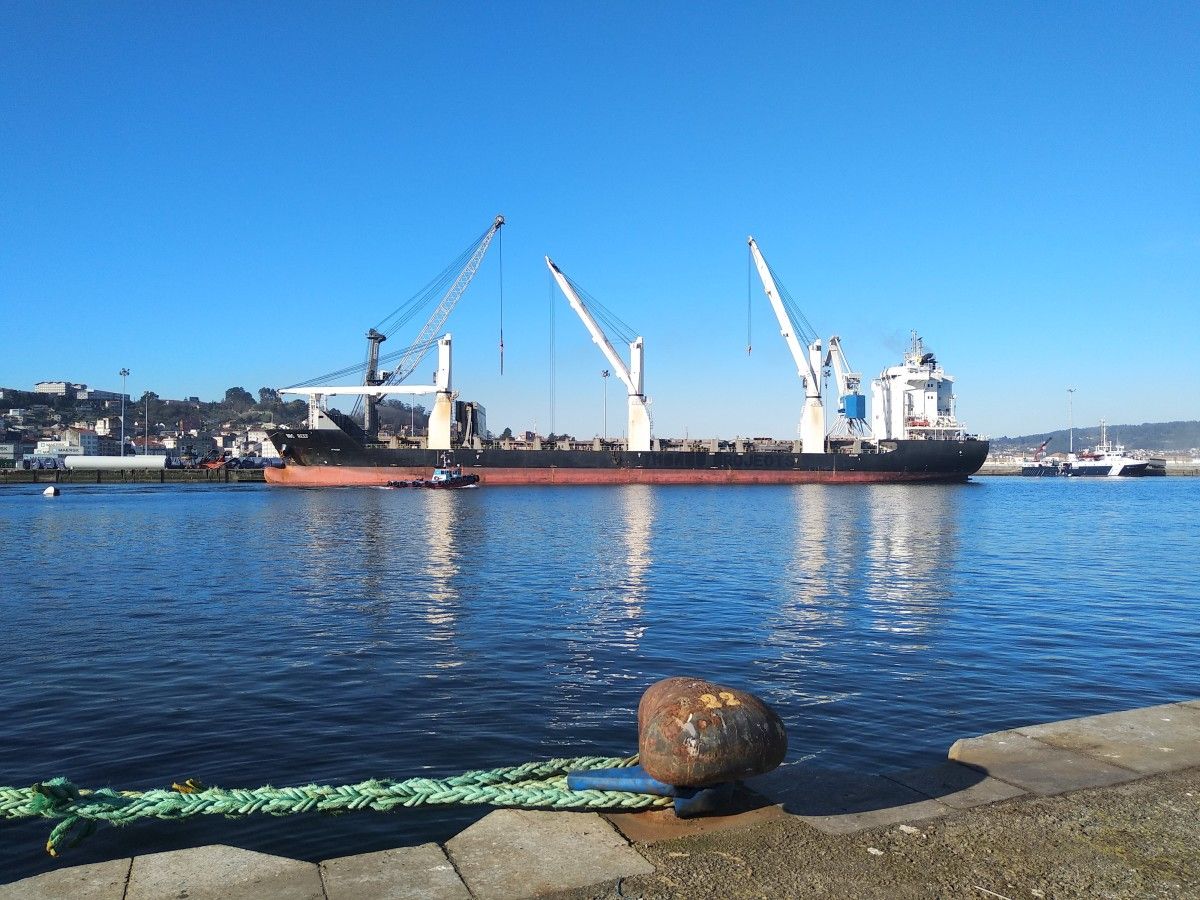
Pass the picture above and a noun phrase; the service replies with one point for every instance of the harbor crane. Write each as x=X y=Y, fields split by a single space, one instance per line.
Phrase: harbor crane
x=808 y=364
x=632 y=376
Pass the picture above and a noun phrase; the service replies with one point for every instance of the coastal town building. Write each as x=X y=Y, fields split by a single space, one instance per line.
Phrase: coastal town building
x=77 y=391
x=108 y=425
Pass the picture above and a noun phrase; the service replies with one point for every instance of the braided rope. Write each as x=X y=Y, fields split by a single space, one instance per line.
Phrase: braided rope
x=534 y=785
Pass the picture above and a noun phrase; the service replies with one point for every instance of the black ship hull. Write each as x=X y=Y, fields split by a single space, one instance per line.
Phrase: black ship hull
x=331 y=457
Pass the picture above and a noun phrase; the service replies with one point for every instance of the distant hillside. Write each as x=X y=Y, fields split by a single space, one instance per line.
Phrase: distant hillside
x=1169 y=437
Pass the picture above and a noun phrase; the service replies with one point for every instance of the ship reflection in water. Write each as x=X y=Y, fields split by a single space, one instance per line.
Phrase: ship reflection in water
x=869 y=573
x=440 y=566
x=912 y=541
x=636 y=502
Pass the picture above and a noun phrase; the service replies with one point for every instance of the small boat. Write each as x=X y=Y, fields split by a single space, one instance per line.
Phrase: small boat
x=443 y=478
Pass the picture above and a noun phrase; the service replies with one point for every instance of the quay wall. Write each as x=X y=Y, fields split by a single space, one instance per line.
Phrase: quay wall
x=130 y=476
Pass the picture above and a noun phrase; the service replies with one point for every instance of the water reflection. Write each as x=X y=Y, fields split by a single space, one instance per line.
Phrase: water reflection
x=637 y=515
x=910 y=549
x=870 y=573
x=442 y=562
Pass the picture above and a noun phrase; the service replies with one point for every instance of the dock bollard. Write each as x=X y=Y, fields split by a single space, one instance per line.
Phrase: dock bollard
x=696 y=740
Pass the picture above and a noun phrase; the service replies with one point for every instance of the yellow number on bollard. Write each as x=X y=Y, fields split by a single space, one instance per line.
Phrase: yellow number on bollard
x=710 y=702
x=729 y=699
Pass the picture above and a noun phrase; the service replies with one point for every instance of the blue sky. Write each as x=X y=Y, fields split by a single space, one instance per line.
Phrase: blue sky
x=229 y=194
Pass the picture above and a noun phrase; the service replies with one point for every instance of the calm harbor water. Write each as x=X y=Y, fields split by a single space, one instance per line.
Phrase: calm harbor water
x=246 y=635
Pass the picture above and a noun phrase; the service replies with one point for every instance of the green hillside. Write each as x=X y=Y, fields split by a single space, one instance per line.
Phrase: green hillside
x=1168 y=437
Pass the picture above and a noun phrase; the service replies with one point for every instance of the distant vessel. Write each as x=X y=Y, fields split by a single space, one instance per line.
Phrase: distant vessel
x=1105 y=460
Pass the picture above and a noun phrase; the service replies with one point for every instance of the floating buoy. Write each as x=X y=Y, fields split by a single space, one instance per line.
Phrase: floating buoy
x=51 y=491
x=695 y=733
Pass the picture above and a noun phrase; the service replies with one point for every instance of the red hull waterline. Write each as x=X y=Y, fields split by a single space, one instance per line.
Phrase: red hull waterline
x=379 y=476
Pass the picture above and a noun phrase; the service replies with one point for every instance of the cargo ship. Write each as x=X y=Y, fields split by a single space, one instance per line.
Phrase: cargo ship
x=333 y=450
x=913 y=434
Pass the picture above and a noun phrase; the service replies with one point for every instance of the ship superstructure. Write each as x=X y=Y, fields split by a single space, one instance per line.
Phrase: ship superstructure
x=915 y=400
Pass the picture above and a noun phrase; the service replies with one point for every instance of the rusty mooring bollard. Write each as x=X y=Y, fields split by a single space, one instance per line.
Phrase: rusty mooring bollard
x=696 y=739
x=696 y=733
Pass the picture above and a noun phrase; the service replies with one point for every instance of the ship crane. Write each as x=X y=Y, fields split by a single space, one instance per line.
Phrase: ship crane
x=852 y=405
x=458 y=276
x=632 y=376
x=808 y=364
x=411 y=356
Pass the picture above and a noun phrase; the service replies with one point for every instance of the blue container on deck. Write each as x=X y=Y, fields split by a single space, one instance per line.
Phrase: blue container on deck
x=855 y=406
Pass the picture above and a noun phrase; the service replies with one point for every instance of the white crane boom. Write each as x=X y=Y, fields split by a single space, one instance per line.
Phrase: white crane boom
x=598 y=335
x=808 y=365
x=632 y=376
x=804 y=366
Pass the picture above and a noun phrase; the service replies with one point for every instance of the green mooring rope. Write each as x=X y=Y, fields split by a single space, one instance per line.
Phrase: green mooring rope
x=535 y=785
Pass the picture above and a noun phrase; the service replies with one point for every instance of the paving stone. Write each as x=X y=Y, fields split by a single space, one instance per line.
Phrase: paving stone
x=405 y=873
x=1150 y=740
x=98 y=881
x=844 y=802
x=1037 y=767
x=217 y=872
x=523 y=853
x=956 y=785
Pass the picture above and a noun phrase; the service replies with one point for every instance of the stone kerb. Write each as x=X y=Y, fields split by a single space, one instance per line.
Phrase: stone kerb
x=521 y=853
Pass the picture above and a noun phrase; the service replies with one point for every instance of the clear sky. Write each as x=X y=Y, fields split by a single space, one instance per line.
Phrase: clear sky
x=220 y=194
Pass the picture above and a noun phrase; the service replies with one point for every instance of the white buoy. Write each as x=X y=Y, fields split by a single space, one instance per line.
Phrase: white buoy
x=51 y=491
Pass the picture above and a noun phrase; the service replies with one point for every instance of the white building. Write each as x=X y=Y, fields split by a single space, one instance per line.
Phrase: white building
x=108 y=425
x=259 y=442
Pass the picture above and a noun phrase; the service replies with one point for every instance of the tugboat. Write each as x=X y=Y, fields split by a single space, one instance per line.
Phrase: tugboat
x=451 y=478
x=445 y=477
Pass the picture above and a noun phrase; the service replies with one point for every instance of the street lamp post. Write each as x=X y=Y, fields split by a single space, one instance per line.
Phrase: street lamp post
x=124 y=373
x=146 y=439
x=604 y=373
x=1071 y=420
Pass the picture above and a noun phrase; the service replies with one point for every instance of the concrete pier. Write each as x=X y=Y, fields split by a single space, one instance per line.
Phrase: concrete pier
x=1100 y=806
